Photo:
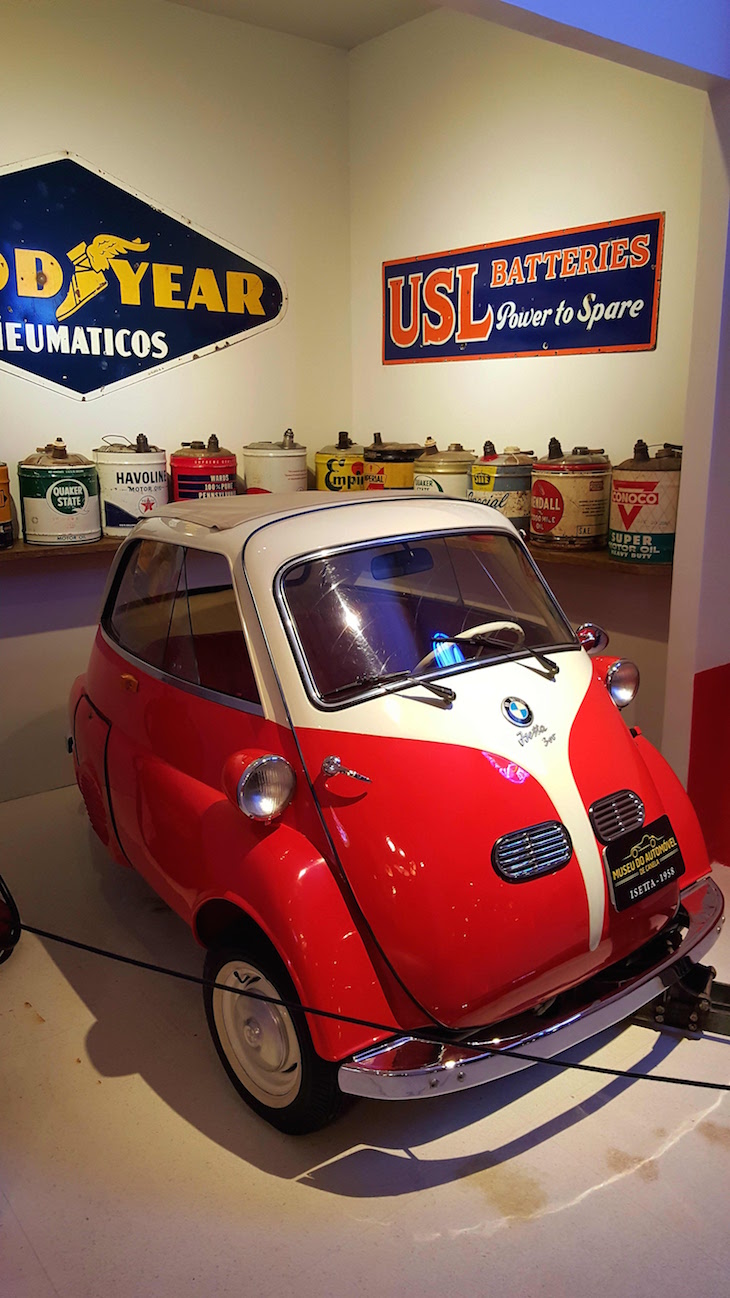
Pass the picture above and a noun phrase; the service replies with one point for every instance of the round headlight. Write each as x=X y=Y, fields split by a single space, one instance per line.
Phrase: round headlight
x=266 y=787
x=622 y=682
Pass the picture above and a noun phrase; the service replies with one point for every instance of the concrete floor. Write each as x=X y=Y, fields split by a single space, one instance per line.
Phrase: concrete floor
x=129 y=1168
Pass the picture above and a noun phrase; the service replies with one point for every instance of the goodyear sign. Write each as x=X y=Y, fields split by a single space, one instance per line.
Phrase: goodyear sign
x=594 y=288
x=98 y=287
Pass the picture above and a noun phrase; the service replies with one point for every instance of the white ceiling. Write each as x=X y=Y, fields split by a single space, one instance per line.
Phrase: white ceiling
x=344 y=23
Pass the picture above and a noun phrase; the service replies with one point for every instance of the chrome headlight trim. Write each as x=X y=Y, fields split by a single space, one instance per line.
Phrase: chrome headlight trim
x=272 y=800
x=622 y=682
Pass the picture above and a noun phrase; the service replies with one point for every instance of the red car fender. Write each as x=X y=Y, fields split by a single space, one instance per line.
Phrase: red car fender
x=293 y=897
x=680 y=811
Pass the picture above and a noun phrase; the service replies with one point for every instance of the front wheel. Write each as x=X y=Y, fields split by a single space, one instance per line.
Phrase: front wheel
x=266 y=1049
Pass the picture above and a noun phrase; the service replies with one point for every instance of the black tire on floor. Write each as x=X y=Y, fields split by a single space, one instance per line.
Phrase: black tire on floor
x=266 y=1051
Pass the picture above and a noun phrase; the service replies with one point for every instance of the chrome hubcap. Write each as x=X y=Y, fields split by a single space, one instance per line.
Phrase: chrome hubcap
x=259 y=1039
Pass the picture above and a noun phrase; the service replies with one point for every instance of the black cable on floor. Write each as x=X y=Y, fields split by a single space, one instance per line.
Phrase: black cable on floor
x=366 y=1023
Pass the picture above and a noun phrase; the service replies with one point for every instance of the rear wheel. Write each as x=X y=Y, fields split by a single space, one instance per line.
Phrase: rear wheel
x=266 y=1049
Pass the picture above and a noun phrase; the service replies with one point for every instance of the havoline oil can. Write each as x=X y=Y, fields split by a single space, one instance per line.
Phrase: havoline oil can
x=59 y=497
x=339 y=467
x=132 y=482
x=644 y=498
x=570 y=498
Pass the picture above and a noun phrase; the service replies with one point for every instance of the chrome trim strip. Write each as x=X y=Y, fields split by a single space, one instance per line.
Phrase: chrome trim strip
x=201 y=691
x=393 y=687
x=382 y=1072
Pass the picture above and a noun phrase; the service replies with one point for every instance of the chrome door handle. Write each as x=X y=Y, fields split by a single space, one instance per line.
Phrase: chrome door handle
x=333 y=766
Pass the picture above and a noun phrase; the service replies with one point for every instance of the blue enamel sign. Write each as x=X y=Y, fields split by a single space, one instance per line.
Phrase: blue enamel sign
x=98 y=287
x=594 y=288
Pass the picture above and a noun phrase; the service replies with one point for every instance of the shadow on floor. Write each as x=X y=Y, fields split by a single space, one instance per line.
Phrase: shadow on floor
x=154 y=1026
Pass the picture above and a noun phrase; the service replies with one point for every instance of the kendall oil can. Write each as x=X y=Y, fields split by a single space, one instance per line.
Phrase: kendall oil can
x=570 y=498
x=340 y=467
x=6 y=515
x=275 y=466
x=644 y=499
x=503 y=482
x=201 y=472
x=443 y=473
x=388 y=466
x=132 y=483
x=59 y=497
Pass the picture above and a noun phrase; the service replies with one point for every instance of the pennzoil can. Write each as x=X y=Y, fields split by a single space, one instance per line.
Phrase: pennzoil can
x=340 y=467
x=644 y=500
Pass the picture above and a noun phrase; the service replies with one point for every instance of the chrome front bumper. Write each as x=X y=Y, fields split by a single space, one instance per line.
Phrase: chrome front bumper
x=408 y=1068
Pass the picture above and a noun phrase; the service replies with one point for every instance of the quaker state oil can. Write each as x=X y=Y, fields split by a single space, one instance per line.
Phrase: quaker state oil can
x=59 y=497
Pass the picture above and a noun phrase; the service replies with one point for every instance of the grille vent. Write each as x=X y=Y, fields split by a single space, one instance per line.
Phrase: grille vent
x=616 y=815
x=530 y=852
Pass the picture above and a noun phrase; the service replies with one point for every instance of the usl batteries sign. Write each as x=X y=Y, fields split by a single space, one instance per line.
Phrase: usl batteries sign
x=98 y=287
x=594 y=288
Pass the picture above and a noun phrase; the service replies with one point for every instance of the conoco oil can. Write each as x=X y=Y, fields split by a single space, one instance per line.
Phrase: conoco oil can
x=644 y=499
x=570 y=498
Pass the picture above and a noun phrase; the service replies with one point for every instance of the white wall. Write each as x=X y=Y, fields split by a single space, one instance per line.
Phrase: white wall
x=464 y=132
x=244 y=132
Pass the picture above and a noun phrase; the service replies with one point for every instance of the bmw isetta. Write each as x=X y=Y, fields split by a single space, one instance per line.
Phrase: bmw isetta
x=357 y=746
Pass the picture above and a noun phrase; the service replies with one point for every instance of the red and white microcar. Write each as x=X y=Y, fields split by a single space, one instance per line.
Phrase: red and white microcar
x=355 y=744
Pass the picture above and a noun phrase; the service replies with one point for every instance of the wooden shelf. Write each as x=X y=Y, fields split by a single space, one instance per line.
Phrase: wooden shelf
x=595 y=559
x=20 y=552
x=542 y=554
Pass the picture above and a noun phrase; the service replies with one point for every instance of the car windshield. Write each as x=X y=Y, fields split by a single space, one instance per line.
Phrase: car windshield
x=405 y=609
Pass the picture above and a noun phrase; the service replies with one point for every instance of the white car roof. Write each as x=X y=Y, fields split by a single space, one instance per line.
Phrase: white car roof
x=228 y=522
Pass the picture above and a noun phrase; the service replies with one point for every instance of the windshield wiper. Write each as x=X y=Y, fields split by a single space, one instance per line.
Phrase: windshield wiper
x=485 y=635
x=401 y=680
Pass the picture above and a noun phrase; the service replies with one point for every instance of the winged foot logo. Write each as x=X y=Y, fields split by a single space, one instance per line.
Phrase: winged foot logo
x=141 y=288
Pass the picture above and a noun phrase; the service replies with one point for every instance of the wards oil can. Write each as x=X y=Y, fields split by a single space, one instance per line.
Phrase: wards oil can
x=570 y=498
x=201 y=472
x=644 y=499
x=59 y=497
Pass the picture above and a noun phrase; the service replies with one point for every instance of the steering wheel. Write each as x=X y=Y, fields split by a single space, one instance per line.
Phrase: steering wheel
x=472 y=634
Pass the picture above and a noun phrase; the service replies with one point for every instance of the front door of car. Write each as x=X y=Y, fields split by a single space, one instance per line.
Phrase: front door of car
x=186 y=699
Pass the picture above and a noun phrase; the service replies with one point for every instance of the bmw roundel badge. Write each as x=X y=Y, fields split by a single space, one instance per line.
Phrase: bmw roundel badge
x=516 y=711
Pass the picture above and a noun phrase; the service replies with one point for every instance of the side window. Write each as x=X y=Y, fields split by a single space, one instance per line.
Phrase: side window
x=206 y=645
x=139 y=619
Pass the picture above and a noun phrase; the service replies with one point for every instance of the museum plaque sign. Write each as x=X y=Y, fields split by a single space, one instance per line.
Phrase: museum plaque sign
x=98 y=287
x=593 y=288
